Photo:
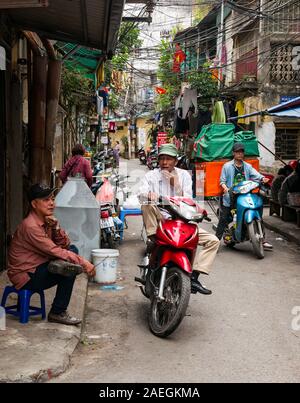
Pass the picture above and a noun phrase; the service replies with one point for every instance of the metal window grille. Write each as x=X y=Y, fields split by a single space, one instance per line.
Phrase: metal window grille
x=287 y=143
x=282 y=67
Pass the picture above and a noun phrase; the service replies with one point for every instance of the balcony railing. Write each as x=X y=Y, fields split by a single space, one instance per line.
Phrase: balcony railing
x=285 y=21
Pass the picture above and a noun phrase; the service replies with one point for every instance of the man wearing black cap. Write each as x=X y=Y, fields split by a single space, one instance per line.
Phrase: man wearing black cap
x=40 y=255
x=232 y=173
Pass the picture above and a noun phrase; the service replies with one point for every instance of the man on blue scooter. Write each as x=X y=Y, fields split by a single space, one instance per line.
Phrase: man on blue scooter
x=232 y=173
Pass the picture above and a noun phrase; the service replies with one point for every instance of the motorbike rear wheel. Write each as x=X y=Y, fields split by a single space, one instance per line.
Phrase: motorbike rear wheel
x=255 y=239
x=107 y=240
x=165 y=316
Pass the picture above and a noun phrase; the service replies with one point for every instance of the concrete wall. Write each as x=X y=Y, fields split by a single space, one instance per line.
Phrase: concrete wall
x=266 y=135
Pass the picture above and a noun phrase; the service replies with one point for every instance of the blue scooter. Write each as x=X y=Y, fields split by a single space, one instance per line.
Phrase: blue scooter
x=247 y=222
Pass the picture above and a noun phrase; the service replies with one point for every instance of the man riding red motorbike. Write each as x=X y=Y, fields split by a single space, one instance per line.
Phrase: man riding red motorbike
x=173 y=237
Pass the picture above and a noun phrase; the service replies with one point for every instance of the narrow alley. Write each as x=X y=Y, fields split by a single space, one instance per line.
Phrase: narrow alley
x=241 y=333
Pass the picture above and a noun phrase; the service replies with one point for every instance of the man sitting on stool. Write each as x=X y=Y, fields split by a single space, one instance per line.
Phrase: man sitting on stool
x=167 y=181
x=40 y=255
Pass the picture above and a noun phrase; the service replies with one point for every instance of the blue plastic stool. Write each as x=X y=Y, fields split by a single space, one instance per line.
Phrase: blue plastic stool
x=124 y=213
x=23 y=309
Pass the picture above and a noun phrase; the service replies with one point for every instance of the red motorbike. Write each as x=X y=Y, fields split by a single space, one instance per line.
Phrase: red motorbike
x=166 y=279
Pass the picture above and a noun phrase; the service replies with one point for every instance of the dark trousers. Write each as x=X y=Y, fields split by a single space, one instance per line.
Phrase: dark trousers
x=224 y=220
x=42 y=279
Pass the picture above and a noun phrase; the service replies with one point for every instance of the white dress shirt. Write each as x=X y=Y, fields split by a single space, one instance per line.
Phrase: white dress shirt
x=155 y=182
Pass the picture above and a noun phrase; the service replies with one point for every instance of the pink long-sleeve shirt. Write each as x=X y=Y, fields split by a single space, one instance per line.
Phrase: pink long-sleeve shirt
x=77 y=164
x=34 y=244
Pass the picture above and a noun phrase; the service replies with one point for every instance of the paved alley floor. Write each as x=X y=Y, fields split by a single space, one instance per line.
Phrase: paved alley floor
x=246 y=331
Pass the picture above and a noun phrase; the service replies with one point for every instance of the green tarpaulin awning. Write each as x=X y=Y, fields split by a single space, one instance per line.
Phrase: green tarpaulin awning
x=86 y=60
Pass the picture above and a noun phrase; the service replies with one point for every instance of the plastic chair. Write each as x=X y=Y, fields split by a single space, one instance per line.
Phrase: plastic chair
x=23 y=309
x=123 y=213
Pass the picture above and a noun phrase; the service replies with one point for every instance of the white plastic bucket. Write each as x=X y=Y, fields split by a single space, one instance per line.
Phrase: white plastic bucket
x=105 y=262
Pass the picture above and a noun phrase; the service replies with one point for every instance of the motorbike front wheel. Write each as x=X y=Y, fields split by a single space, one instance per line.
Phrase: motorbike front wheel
x=165 y=316
x=255 y=239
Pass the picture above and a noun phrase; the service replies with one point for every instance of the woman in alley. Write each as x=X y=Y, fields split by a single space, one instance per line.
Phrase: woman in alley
x=77 y=165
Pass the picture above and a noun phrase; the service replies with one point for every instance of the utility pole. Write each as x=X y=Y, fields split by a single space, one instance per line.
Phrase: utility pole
x=198 y=48
x=130 y=113
x=220 y=43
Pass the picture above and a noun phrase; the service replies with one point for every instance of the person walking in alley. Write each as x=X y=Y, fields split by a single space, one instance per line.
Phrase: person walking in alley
x=169 y=181
x=77 y=164
x=232 y=173
x=40 y=255
x=116 y=150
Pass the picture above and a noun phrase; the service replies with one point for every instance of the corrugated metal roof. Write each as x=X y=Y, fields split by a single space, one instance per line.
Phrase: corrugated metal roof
x=92 y=23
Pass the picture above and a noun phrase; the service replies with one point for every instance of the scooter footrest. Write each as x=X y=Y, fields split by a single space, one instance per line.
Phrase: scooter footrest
x=139 y=280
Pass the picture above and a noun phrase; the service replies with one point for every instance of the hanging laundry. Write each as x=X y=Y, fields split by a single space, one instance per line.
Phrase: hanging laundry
x=227 y=110
x=233 y=113
x=157 y=117
x=214 y=74
x=189 y=100
x=100 y=77
x=99 y=101
x=112 y=127
x=103 y=93
x=117 y=80
x=218 y=115
x=222 y=71
x=239 y=108
x=204 y=118
x=253 y=104
x=181 y=124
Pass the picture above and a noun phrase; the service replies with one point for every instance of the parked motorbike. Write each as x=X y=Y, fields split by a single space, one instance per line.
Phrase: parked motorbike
x=110 y=224
x=96 y=186
x=142 y=155
x=99 y=163
x=247 y=222
x=152 y=159
x=109 y=232
x=183 y=162
x=103 y=161
x=109 y=160
x=166 y=280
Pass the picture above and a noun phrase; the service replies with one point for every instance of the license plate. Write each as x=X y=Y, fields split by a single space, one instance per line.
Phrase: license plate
x=106 y=222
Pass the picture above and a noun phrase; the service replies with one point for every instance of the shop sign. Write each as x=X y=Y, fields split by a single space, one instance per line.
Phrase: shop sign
x=287 y=98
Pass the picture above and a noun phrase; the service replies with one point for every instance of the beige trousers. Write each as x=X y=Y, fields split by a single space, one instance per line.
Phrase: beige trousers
x=209 y=242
